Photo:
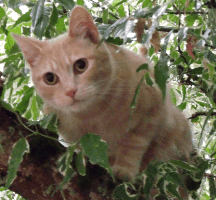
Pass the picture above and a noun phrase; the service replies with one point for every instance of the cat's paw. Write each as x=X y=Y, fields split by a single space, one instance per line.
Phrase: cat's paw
x=124 y=173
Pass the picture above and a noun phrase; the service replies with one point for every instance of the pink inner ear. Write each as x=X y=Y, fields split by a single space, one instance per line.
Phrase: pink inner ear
x=82 y=24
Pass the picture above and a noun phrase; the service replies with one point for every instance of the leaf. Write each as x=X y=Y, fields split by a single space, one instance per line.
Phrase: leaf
x=120 y=193
x=80 y=164
x=161 y=68
x=173 y=96
x=121 y=11
x=172 y=189
x=23 y=105
x=64 y=165
x=134 y=100
x=151 y=173
x=161 y=76
x=96 y=150
x=34 y=108
x=196 y=71
x=139 y=29
x=146 y=13
x=142 y=67
x=37 y=12
x=2 y=13
x=6 y=105
x=50 y=122
x=151 y=30
x=212 y=187
x=148 y=79
x=68 y=4
x=54 y=16
x=19 y=149
x=105 y=16
x=182 y=106
x=184 y=165
x=191 y=43
x=174 y=177
x=24 y=18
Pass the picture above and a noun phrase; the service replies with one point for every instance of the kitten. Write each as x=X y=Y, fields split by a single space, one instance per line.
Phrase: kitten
x=90 y=87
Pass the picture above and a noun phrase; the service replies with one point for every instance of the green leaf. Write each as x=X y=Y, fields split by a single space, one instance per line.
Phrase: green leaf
x=68 y=4
x=198 y=70
x=19 y=149
x=148 y=79
x=34 y=108
x=80 y=164
x=105 y=16
x=54 y=16
x=212 y=187
x=96 y=150
x=184 y=165
x=64 y=165
x=13 y=3
x=161 y=68
x=23 y=105
x=24 y=18
x=172 y=190
x=134 y=101
x=2 y=13
x=173 y=96
x=37 y=12
x=6 y=105
x=182 y=106
x=50 y=122
x=151 y=173
x=142 y=67
x=174 y=177
x=183 y=92
x=161 y=76
x=121 y=193
x=80 y=2
x=121 y=11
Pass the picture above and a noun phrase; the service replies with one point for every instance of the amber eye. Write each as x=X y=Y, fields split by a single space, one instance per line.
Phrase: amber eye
x=50 y=78
x=80 y=65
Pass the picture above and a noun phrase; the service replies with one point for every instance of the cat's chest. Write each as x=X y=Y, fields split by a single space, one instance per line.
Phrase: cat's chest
x=109 y=126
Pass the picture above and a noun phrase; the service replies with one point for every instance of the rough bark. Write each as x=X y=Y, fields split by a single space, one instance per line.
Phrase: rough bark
x=38 y=175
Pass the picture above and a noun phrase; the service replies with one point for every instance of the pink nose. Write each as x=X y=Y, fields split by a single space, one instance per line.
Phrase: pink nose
x=71 y=93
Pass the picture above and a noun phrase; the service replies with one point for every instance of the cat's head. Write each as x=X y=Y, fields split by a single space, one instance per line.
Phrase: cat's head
x=70 y=71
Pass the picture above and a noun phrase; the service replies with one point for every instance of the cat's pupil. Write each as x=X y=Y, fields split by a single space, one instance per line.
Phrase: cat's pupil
x=50 y=77
x=81 y=64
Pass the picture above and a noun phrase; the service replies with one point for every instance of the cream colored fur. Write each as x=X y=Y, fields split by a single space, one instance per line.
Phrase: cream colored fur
x=154 y=130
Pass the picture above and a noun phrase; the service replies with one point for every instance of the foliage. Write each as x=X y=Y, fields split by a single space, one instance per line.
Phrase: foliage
x=179 y=36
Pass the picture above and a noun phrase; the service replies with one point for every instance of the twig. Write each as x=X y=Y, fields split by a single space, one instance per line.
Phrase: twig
x=200 y=114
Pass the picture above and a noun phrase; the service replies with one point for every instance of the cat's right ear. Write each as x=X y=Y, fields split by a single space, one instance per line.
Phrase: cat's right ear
x=82 y=24
x=31 y=48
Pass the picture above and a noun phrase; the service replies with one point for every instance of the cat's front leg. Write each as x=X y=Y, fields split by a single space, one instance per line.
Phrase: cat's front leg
x=129 y=155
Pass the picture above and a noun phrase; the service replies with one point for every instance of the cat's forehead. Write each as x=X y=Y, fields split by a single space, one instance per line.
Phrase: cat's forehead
x=61 y=54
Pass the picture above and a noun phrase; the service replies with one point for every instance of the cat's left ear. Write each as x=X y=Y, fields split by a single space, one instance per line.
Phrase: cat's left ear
x=82 y=24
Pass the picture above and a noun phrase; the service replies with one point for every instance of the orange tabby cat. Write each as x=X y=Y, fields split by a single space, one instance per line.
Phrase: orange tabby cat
x=90 y=87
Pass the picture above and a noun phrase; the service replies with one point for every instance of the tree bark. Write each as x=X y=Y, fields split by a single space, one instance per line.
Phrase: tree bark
x=37 y=176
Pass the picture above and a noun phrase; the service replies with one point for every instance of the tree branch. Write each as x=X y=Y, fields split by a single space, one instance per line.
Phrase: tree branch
x=201 y=114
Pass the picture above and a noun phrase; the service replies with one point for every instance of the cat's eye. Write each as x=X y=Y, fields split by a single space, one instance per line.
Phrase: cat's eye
x=50 y=78
x=80 y=65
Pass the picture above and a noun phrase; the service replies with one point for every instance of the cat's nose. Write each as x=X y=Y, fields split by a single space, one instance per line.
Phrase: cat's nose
x=71 y=93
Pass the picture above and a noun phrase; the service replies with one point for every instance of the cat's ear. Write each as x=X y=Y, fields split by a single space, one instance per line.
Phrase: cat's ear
x=82 y=24
x=31 y=48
